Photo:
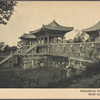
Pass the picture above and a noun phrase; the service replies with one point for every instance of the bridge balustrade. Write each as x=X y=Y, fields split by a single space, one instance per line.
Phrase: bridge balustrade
x=84 y=49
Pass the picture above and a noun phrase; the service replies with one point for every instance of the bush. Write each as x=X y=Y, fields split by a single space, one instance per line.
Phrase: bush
x=91 y=69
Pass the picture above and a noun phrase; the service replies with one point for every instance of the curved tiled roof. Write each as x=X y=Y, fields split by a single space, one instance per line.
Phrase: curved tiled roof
x=93 y=28
x=54 y=26
x=27 y=36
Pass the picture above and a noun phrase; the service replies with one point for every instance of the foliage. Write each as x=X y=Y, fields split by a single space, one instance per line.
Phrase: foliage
x=50 y=78
x=92 y=69
x=6 y=10
x=80 y=37
x=2 y=44
x=13 y=48
x=9 y=49
x=20 y=44
x=6 y=49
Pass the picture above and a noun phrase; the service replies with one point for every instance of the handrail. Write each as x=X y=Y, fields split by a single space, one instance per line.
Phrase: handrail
x=33 y=46
x=7 y=58
x=73 y=43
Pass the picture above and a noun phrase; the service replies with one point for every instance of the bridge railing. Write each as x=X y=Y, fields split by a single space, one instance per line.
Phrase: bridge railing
x=83 y=49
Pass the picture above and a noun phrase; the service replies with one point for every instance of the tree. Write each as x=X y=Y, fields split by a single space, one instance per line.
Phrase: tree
x=6 y=49
x=2 y=44
x=13 y=48
x=80 y=37
x=6 y=10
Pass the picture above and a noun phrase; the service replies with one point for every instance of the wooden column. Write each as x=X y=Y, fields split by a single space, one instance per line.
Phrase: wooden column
x=37 y=40
x=43 y=39
x=40 y=40
x=22 y=49
x=47 y=39
x=62 y=39
x=35 y=49
x=57 y=40
x=99 y=32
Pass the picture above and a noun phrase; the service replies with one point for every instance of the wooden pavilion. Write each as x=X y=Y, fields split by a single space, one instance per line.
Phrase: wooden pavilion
x=50 y=32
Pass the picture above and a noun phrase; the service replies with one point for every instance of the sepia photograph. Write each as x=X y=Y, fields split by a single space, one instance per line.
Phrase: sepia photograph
x=45 y=44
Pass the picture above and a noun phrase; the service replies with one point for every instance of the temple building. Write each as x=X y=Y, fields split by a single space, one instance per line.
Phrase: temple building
x=93 y=32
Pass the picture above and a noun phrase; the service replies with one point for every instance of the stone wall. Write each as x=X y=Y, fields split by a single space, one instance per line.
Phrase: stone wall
x=84 y=49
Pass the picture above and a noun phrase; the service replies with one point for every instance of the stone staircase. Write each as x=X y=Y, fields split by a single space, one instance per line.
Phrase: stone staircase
x=7 y=58
x=29 y=49
x=10 y=56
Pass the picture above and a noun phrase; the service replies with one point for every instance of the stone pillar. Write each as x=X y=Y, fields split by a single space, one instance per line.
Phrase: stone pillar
x=48 y=49
x=12 y=61
x=69 y=62
x=74 y=63
x=80 y=63
x=32 y=63
x=80 y=49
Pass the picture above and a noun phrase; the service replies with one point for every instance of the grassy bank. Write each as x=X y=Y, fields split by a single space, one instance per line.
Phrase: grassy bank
x=45 y=77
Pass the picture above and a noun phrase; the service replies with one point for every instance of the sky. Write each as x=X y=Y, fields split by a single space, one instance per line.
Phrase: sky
x=31 y=15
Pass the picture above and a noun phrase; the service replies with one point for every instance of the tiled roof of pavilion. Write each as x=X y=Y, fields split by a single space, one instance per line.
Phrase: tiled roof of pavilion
x=27 y=36
x=93 y=28
x=53 y=26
